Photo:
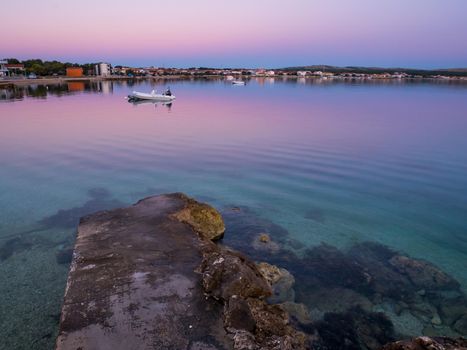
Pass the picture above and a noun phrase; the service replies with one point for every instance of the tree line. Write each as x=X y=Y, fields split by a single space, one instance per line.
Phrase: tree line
x=41 y=68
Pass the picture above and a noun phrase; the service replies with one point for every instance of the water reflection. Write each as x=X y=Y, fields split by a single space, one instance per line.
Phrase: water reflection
x=76 y=86
x=106 y=87
x=42 y=91
x=167 y=105
x=11 y=94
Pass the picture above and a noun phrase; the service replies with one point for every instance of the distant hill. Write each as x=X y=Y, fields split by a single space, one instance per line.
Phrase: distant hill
x=461 y=70
x=377 y=70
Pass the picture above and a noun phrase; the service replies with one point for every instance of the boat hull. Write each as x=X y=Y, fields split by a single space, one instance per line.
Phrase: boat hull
x=150 y=97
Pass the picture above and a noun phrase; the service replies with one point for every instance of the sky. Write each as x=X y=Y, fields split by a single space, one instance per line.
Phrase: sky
x=240 y=33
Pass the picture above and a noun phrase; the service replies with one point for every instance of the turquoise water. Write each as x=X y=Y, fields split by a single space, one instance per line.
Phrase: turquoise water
x=333 y=163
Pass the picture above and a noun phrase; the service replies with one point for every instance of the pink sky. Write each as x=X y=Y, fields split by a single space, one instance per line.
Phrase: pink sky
x=260 y=33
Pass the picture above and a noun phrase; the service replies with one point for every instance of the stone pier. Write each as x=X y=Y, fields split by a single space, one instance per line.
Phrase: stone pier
x=132 y=282
x=150 y=277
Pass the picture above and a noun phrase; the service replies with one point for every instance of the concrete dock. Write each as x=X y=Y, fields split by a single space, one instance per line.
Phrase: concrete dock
x=151 y=277
x=132 y=283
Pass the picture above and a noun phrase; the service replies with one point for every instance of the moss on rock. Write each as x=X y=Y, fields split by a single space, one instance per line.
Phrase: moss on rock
x=203 y=218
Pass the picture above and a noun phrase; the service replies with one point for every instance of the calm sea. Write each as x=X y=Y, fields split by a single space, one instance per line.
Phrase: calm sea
x=322 y=167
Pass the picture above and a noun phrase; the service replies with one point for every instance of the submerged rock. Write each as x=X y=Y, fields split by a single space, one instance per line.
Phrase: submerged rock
x=264 y=238
x=424 y=310
x=298 y=312
x=386 y=282
x=403 y=321
x=263 y=242
x=13 y=246
x=327 y=266
x=453 y=309
x=355 y=329
x=281 y=282
x=274 y=274
x=101 y=199
x=253 y=234
x=422 y=273
x=414 y=296
x=324 y=300
x=460 y=325
x=427 y=343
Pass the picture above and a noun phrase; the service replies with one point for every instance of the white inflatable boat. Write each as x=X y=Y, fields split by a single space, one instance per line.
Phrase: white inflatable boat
x=153 y=96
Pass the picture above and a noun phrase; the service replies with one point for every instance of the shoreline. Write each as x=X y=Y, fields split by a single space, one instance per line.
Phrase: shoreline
x=62 y=80
x=56 y=80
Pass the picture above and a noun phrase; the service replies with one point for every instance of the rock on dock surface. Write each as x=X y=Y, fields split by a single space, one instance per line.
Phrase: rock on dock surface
x=150 y=277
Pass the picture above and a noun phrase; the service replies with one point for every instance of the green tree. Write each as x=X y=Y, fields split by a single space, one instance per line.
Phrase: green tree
x=37 y=69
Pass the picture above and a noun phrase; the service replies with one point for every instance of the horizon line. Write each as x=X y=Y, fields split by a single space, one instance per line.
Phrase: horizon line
x=245 y=67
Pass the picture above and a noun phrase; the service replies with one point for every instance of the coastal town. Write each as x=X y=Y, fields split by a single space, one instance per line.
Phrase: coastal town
x=233 y=175
x=14 y=72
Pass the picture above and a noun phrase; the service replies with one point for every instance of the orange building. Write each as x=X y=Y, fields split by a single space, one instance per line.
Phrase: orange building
x=74 y=72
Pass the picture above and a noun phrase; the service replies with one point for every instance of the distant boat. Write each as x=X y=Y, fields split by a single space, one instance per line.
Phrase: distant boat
x=153 y=96
x=238 y=82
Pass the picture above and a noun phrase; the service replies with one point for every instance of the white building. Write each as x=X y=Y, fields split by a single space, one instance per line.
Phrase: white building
x=103 y=69
x=3 y=69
